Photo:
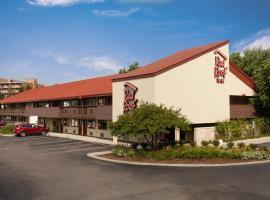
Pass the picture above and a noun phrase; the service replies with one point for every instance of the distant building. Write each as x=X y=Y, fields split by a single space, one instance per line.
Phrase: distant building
x=9 y=87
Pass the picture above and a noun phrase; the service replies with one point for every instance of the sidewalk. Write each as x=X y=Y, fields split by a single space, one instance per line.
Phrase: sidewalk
x=81 y=138
x=253 y=141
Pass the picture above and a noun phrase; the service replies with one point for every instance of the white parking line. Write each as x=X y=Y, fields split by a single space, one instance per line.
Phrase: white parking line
x=56 y=141
x=64 y=145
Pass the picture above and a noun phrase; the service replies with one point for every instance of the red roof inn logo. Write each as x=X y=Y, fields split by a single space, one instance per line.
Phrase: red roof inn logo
x=129 y=99
x=220 y=69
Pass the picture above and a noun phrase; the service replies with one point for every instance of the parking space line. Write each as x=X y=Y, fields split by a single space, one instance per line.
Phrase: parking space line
x=55 y=142
x=64 y=145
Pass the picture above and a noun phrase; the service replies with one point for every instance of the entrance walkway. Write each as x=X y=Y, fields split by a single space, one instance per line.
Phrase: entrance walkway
x=82 y=138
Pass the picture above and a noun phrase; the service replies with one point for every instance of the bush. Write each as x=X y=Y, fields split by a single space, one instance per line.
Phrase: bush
x=230 y=145
x=216 y=143
x=252 y=146
x=258 y=155
x=241 y=145
x=7 y=129
x=123 y=151
x=240 y=129
x=193 y=144
x=204 y=143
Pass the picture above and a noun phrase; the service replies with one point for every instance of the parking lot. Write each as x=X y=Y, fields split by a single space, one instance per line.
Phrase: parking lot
x=45 y=167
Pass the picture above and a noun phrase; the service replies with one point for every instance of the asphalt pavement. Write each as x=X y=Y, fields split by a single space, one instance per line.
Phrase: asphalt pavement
x=50 y=168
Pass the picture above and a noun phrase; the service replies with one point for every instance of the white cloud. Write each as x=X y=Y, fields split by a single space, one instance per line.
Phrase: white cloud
x=116 y=13
x=51 y=3
x=100 y=63
x=143 y=1
x=259 y=40
x=93 y=62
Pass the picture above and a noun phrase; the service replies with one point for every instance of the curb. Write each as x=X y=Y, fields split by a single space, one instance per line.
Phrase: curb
x=96 y=155
x=5 y=135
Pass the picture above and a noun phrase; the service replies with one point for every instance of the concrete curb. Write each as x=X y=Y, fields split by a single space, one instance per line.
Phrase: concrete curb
x=7 y=135
x=96 y=155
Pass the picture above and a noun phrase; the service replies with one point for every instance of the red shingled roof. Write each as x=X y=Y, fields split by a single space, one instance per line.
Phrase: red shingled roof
x=103 y=85
x=91 y=87
x=170 y=62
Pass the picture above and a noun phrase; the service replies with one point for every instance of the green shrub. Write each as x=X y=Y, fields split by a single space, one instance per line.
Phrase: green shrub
x=252 y=146
x=216 y=143
x=258 y=155
x=204 y=143
x=123 y=151
x=241 y=145
x=230 y=145
x=7 y=129
x=241 y=129
x=193 y=144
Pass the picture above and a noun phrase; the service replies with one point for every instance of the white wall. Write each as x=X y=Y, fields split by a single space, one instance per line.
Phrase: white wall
x=146 y=92
x=191 y=87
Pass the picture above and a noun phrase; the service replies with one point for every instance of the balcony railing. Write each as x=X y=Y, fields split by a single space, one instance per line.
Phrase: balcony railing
x=13 y=111
x=98 y=112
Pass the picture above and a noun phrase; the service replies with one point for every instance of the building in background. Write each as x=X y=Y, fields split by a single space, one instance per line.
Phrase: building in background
x=9 y=87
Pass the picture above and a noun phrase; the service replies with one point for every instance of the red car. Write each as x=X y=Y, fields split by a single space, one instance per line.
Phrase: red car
x=30 y=129
x=2 y=123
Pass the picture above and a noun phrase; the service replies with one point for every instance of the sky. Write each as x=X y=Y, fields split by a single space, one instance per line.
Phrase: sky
x=59 y=41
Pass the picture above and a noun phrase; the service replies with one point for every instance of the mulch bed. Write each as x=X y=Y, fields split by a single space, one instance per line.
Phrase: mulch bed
x=176 y=161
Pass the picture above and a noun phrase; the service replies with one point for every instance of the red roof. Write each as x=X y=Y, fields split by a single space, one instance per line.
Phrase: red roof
x=242 y=76
x=170 y=62
x=90 y=87
x=103 y=85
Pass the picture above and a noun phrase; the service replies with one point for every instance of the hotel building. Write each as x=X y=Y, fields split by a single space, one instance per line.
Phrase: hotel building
x=201 y=81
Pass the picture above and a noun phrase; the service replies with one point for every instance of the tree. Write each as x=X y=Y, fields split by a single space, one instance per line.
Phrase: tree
x=131 y=67
x=2 y=96
x=256 y=63
x=149 y=121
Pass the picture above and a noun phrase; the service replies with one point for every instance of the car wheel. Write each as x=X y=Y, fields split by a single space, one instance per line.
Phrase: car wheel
x=23 y=134
x=43 y=133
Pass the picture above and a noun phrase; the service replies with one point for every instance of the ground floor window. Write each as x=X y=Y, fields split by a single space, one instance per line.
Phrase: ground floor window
x=74 y=122
x=66 y=122
x=102 y=124
x=91 y=123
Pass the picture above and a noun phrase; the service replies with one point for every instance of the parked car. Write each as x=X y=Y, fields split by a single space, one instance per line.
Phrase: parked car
x=30 y=129
x=2 y=124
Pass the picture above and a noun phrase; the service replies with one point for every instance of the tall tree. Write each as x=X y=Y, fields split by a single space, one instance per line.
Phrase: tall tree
x=256 y=63
x=130 y=68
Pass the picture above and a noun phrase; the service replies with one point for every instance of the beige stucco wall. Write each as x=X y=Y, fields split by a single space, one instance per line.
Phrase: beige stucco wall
x=146 y=92
x=193 y=88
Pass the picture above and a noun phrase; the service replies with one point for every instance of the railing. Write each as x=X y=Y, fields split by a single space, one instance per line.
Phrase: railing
x=13 y=111
x=52 y=112
x=99 y=112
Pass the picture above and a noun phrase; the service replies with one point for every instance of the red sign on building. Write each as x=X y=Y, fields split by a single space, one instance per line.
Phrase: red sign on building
x=220 y=70
x=130 y=101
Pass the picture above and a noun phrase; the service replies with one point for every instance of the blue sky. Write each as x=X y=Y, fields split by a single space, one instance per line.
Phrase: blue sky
x=65 y=40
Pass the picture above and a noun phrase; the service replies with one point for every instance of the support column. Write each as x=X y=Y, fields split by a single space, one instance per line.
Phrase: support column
x=115 y=140
x=177 y=134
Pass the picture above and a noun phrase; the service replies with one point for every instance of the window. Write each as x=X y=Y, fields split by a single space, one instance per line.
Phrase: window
x=91 y=124
x=102 y=124
x=66 y=103
x=91 y=102
x=66 y=122
x=101 y=101
x=74 y=103
x=74 y=123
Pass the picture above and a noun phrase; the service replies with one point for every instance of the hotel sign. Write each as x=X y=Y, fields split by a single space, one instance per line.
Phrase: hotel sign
x=130 y=100
x=220 y=70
